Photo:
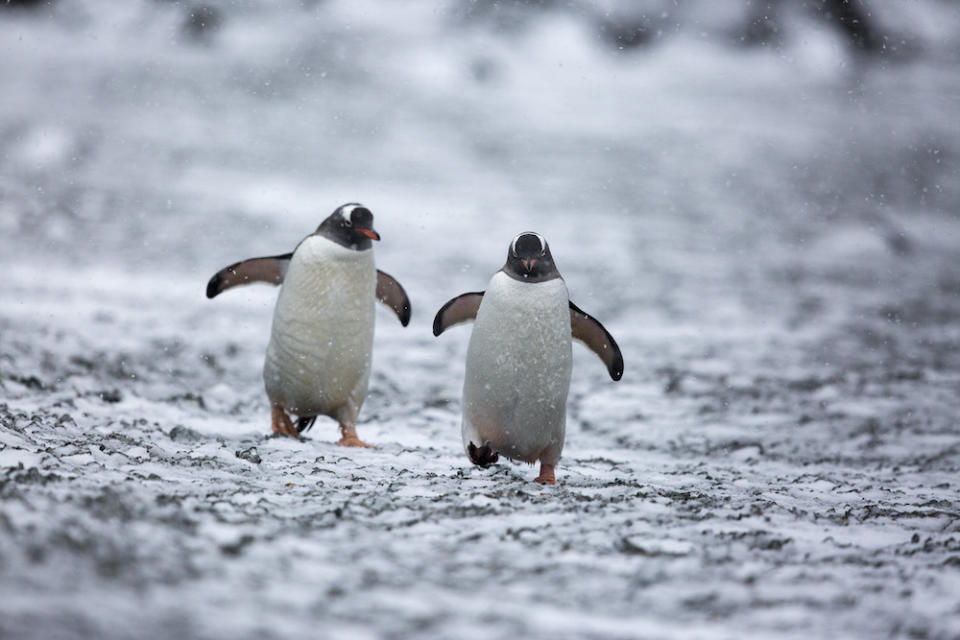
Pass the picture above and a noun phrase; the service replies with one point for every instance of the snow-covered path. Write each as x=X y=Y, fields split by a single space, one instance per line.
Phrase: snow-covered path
x=772 y=239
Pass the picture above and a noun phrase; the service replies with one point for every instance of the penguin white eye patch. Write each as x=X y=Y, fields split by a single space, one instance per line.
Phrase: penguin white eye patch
x=346 y=210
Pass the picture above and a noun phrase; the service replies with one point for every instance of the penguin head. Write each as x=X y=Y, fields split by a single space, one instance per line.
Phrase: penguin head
x=351 y=226
x=529 y=259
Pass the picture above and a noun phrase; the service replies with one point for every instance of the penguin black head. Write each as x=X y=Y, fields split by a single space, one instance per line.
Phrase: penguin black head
x=529 y=259
x=351 y=226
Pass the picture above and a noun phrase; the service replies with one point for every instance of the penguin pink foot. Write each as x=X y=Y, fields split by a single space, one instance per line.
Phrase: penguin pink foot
x=547 y=475
x=281 y=423
x=349 y=438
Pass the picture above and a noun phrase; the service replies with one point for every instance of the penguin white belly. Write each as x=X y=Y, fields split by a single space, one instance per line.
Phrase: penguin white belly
x=518 y=369
x=318 y=359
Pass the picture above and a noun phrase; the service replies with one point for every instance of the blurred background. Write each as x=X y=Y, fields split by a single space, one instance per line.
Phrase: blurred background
x=709 y=127
x=760 y=199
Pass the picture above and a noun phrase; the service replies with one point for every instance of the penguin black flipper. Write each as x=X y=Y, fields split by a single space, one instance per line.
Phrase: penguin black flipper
x=588 y=330
x=270 y=269
x=390 y=293
x=460 y=309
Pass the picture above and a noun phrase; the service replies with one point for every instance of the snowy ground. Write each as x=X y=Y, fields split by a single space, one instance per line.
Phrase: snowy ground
x=772 y=236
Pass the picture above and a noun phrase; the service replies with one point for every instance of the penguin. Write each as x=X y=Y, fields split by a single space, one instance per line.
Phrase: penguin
x=519 y=358
x=321 y=340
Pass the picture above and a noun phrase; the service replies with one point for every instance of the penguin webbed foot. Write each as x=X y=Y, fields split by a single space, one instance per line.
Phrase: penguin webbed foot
x=349 y=438
x=281 y=424
x=547 y=474
x=483 y=456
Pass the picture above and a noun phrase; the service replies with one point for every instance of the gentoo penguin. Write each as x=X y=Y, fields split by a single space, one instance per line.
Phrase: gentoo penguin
x=318 y=359
x=519 y=358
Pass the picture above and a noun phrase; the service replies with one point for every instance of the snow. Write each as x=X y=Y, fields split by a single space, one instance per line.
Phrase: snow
x=770 y=234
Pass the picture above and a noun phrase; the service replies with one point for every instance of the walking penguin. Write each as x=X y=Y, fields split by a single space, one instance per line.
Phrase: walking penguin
x=321 y=341
x=520 y=356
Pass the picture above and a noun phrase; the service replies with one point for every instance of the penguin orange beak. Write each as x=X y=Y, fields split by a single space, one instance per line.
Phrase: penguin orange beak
x=528 y=264
x=370 y=233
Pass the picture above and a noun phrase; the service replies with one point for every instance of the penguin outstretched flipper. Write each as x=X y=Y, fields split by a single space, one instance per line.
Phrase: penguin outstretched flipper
x=270 y=269
x=590 y=332
x=391 y=293
x=461 y=309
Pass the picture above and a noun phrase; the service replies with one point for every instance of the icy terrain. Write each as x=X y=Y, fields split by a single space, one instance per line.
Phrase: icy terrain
x=773 y=236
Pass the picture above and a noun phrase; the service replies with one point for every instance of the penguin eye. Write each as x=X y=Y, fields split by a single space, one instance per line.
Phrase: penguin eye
x=347 y=212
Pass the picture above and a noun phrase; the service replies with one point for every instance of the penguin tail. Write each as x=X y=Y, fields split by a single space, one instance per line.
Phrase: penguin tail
x=304 y=423
x=482 y=456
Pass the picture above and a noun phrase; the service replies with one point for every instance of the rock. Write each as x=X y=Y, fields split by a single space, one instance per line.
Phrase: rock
x=250 y=455
x=181 y=433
